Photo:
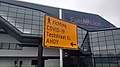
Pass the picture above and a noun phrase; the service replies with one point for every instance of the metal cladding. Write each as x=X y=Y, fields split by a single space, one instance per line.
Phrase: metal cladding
x=86 y=20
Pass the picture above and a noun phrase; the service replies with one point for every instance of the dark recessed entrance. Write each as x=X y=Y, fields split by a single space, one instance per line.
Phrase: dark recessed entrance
x=73 y=58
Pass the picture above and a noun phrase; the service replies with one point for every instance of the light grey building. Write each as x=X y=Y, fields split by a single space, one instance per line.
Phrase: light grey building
x=21 y=32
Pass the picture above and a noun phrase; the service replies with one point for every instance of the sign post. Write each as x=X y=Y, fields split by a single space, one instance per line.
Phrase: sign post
x=40 y=58
x=61 y=51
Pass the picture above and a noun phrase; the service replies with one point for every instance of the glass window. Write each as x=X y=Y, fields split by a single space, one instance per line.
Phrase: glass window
x=84 y=32
x=12 y=9
x=3 y=13
x=110 y=42
x=5 y=45
x=28 y=21
x=12 y=46
x=113 y=59
x=35 y=12
x=95 y=44
x=11 y=19
x=28 y=11
x=95 y=40
x=11 y=14
x=103 y=53
x=101 y=33
x=28 y=26
x=80 y=37
x=117 y=46
x=35 y=22
x=96 y=53
x=4 y=4
x=42 y=14
x=101 y=38
x=117 y=41
x=27 y=30
x=93 y=32
x=19 y=47
x=28 y=16
x=79 y=29
x=95 y=48
x=79 y=43
x=116 y=36
x=118 y=52
x=35 y=27
x=80 y=40
x=105 y=64
x=20 y=20
x=79 y=32
x=13 y=6
x=116 y=31
x=108 y=33
x=109 y=37
x=94 y=35
x=36 y=18
x=111 y=47
x=111 y=52
x=20 y=15
x=21 y=11
x=105 y=60
x=41 y=27
x=22 y=8
x=113 y=62
x=83 y=36
x=35 y=32
x=19 y=25
x=41 y=19
x=90 y=39
x=41 y=23
x=98 y=60
x=102 y=43
x=102 y=47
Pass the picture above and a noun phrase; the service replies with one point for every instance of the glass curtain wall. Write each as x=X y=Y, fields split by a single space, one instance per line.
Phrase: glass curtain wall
x=26 y=20
x=105 y=46
x=81 y=36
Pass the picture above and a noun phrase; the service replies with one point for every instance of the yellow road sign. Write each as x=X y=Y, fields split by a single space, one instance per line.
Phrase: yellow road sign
x=59 y=33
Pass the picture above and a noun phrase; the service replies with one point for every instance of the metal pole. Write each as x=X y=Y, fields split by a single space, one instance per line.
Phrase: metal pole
x=61 y=53
x=61 y=58
x=40 y=53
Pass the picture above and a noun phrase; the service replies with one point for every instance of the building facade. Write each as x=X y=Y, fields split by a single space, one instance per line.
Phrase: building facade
x=21 y=31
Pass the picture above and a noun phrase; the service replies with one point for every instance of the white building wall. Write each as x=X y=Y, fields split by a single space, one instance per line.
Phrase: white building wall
x=29 y=52
x=25 y=52
x=52 y=63
x=9 y=62
x=7 y=38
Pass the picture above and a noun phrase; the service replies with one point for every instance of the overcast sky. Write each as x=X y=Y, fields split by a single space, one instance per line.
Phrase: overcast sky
x=108 y=9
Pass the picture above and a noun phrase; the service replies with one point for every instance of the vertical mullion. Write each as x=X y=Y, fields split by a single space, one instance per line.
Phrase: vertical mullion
x=107 y=49
x=99 y=49
x=115 y=48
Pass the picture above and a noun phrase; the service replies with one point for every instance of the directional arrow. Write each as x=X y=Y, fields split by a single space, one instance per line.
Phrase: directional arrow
x=72 y=44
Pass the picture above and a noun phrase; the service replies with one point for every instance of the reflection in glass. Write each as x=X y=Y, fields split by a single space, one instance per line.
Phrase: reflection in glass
x=108 y=33
x=27 y=30
x=11 y=9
